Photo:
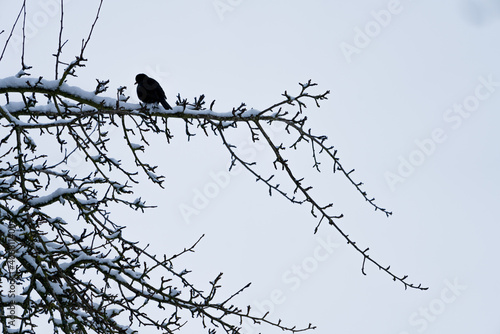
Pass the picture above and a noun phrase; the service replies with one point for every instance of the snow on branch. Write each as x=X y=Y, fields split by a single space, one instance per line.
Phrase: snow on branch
x=77 y=268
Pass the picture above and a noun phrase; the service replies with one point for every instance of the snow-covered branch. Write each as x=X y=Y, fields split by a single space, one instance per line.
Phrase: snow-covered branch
x=77 y=269
x=78 y=119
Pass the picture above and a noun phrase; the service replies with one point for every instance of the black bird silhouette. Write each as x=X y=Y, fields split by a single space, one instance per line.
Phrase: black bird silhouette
x=150 y=91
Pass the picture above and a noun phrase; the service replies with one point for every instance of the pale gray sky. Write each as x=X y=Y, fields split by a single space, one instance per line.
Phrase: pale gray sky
x=414 y=109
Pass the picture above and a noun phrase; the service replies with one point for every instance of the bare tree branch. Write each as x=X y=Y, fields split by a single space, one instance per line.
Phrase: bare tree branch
x=60 y=44
x=12 y=29
x=77 y=270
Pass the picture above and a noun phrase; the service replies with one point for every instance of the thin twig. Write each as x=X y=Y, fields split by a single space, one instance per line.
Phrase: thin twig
x=12 y=30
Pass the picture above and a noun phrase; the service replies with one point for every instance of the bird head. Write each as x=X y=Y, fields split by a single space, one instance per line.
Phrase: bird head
x=140 y=78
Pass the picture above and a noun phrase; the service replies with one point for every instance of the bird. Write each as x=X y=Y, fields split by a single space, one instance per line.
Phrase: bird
x=150 y=91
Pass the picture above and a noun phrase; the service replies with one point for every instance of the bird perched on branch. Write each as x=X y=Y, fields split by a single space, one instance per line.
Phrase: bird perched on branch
x=150 y=91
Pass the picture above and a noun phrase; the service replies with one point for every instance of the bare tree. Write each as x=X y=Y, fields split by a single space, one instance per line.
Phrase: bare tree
x=88 y=278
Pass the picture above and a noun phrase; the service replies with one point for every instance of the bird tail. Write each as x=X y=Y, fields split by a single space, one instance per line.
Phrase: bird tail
x=165 y=105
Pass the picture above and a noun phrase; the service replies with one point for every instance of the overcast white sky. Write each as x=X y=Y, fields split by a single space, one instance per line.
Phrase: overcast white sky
x=414 y=109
